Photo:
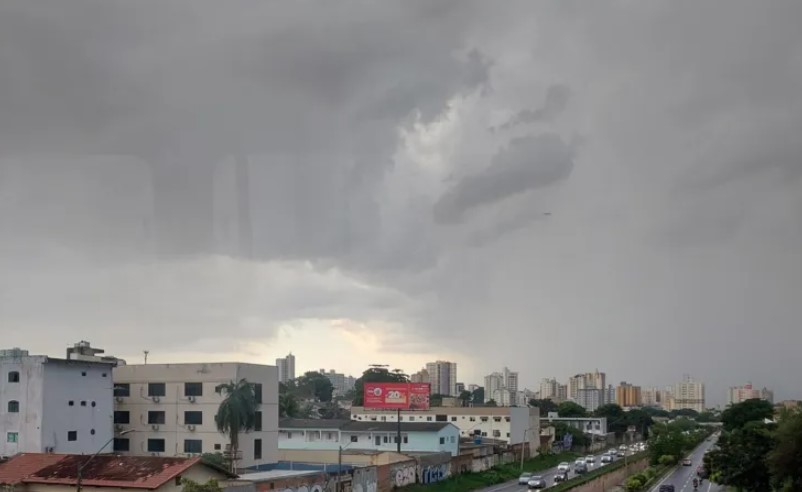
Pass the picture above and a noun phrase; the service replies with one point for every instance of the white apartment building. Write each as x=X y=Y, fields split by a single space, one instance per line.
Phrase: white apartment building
x=442 y=377
x=589 y=398
x=286 y=368
x=494 y=383
x=590 y=380
x=50 y=405
x=341 y=383
x=502 y=387
x=738 y=394
x=549 y=389
x=688 y=394
x=510 y=424
x=171 y=408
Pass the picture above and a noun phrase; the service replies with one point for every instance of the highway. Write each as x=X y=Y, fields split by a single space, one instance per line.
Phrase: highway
x=682 y=477
x=548 y=475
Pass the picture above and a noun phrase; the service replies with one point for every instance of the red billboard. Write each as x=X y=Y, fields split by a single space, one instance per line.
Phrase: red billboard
x=397 y=396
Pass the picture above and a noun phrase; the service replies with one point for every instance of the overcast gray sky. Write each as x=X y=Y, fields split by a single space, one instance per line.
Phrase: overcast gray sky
x=552 y=186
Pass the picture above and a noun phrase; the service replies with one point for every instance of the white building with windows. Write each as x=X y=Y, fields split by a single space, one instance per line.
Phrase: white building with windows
x=51 y=405
x=688 y=394
x=442 y=377
x=511 y=424
x=171 y=409
x=329 y=435
x=286 y=368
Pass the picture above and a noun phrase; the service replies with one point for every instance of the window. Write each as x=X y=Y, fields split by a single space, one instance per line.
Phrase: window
x=412 y=419
x=473 y=419
x=193 y=389
x=384 y=419
x=155 y=445
x=156 y=417
x=386 y=439
x=289 y=435
x=257 y=421
x=122 y=417
x=83 y=373
x=378 y=440
x=194 y=446
x=218 y=447
x=496 y=433
x=72 y=435
x=406 y=439
x=194 y=418
x=157 y=389
x=83 y=403
x=12 y=437
x=13 y=377
x=483 y=419
x=441 y=418
x=92 y=431
x=506 y=419
x=428 y=419
x=257 y=392
x=354 y=438
x=497 y=419
x=122 y=389
x=94 y=404
x=454 y=439
x=508 y=434
x=13 y=406
x=257 y=449
x=103 y=375
x=442 y=440
x=454 y=419
x=484 y=434
x=71 y=403
x=122 y=444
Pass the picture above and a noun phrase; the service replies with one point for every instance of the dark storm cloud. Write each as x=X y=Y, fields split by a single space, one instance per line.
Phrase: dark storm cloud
x=526 y=163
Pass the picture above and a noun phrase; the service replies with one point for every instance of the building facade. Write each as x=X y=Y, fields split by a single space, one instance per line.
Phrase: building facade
x=342 y=384
x=286 y=368
x=590 y=425
x=421 y=376
x=510 y=424
x=589 y=380
x=171 y=408
x=443 y=377
x=50 y=405
x=549 y=389
x=589 y=398
x=416 y=437
x=688 y=394
x=738 y=394
x=628 y=395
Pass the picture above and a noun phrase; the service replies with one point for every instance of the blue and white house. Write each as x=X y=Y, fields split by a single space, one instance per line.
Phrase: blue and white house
x=423 y=437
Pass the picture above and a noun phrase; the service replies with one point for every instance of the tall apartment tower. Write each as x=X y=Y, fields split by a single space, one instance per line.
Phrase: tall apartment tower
x=443 y=377
x=286 y=368
x=549 y=389
x=628 y=395
x=494 y=383
x=689 y=394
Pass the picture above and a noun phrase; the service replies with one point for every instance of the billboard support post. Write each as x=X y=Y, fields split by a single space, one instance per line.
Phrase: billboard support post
x=398 y=437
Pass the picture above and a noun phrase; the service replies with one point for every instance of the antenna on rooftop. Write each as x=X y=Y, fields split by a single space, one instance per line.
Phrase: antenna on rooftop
x=146 y=352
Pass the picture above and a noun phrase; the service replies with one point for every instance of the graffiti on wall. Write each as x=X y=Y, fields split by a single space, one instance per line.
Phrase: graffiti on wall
x=403 y=475
x=364 y=480
x=433 y=473
x=307 y=488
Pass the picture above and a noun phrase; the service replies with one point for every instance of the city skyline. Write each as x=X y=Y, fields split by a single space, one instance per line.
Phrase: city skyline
x=537 y=186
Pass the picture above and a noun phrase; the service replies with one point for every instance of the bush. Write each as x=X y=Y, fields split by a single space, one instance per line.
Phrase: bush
x=633 y=483
x=667 y=460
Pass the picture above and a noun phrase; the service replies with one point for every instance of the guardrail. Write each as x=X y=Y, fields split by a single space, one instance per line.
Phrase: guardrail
x=598 y=472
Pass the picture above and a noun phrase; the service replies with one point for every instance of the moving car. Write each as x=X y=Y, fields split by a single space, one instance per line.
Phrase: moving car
x=666 y=488
x=560 y=477
x=621 y=453
x=580 y=467
x=564 y=467
x=607 y=458
x=590 y=459
x=686 y=462
x=537 y=482
x=524 y=478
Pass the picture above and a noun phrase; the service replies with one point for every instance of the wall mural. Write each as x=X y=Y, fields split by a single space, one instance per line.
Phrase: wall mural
x=403 y=475
x=433 y=473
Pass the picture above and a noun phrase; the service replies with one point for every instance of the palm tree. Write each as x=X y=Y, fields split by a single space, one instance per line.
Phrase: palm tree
x=237 y=412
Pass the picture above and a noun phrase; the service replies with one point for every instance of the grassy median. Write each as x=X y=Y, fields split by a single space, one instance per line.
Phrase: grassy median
x=496 y=475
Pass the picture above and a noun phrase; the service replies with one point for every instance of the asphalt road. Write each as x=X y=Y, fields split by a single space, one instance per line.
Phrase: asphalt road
x=548 y=475
x=682 y=477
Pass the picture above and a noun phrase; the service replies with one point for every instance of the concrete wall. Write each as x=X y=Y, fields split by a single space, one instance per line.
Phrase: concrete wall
x=610 y=480
x=331 y=439
x=175 y=431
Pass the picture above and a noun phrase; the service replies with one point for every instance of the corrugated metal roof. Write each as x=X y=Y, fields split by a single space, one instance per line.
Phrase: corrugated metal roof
x=145 y=472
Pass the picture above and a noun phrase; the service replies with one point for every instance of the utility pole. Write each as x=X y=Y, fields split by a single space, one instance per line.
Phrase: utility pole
x=398 y=436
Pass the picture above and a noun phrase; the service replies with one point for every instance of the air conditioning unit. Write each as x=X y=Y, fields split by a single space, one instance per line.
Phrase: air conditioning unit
x=190 y=427
x=118 y=399
x=155 y=427
x=118 y=428
x=155 y=399
x=191 y=399
x=154 y=454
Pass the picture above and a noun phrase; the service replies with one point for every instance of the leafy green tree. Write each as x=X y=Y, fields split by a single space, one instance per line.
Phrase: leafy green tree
x=465 y=398
x=641 y=420
x=333 y=411
x=667 y=440
x=740 y=460
x=491 y=403
x=288 y=406
x=314 y=385
x=736 y=416
x=785 y=460
x=193 y=486
x=436 y=400
x=571 y=409
x=578 y=437
x=656 y=412
x=708 y=416
x=545 y=406
x=375 y=375
x=237 y=411
x=214 y=459
x=478 y=396
x=683 y=412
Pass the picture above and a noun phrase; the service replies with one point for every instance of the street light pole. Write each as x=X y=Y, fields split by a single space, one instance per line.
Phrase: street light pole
x=83 y=465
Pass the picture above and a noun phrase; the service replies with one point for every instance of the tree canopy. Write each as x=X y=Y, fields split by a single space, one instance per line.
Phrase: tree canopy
x=545 y=405
x=571 y=409
x=237 y=411
x=375 y=375
x=736 y=416
x=314 y=385
x=785 y=460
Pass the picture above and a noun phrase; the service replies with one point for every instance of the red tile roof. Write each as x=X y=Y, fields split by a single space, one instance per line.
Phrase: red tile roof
x=20 y=466
x=143 y=472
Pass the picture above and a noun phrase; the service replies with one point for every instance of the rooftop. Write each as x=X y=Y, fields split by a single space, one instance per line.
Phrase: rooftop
x=361 y=426
x=144 y=472
x=502 y=411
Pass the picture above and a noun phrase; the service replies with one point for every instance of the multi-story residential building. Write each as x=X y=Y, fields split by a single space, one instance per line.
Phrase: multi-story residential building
x=510 y=380
x=502 y=387
x=443 y=377
x=590 y=380
x=171 y=408
x=589 y=425
x=286 y=368
x=738 y=394
x=510 y=424
x=51 y=405
x=589 y=398
x=421 y=376
x=341 y=383
x=628 y=395
x=494 y=383
x=562 y=393
x=459 y=389
x=549 y=389
x=329 y=435
x=688 y=394
x=471 y=387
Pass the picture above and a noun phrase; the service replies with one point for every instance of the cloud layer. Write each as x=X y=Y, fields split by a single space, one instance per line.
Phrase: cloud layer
x=231 y=174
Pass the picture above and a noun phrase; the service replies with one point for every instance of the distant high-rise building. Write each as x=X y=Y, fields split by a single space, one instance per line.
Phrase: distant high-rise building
x=342 y=383
x=459 y=389
x=688 y=394
x=627 y=395
x=589 y=398
x=443 y=377
x=738 y=394
x=473 y=387
x=421 y=376
x=562 y=393
x=510 y=380
x=590 y=380
x=549 y=389
x=493 y=384
x=286 y=368
x=652 y=397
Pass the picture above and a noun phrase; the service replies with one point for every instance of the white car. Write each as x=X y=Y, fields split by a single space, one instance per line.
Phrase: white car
x=564 y=467
x=524 y=478
x=590 y=460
